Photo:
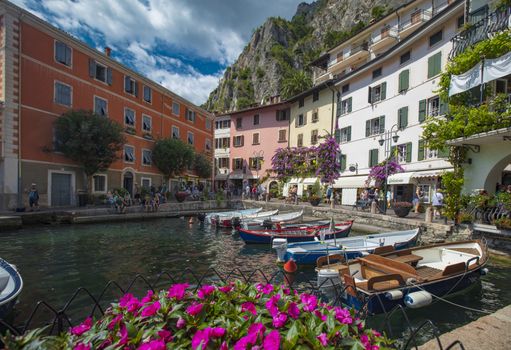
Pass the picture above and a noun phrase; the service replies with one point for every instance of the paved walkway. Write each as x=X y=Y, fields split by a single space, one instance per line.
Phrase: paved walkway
x=488 y=332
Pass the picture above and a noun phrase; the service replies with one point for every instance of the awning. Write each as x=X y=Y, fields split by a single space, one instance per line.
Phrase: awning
x=400 y=178
x=429 y=173
x=221 y=177
x=352 y=182
x=408 y=177
x=295 y=180
x=236 y=176
x=309 y=180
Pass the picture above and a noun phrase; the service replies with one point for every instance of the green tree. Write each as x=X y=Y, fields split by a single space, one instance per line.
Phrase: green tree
x=172 y=156
x=295 y=83
x=90 y=140
x=202 y=165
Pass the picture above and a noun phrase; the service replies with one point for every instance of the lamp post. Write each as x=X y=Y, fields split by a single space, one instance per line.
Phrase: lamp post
x=386 y=140
x=258 y=155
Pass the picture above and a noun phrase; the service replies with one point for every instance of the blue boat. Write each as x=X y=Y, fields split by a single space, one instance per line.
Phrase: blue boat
x=411 y=277
x=11 y=285
x=350 y=248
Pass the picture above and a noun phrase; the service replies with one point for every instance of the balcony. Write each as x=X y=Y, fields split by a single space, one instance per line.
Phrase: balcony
x=385 y=39
x=416 y=20
x=357 y=53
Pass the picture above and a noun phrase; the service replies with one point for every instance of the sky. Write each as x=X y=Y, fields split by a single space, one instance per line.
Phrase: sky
x=185 y=45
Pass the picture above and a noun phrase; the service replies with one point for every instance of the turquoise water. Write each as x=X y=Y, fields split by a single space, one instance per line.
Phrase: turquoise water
x=56 y=260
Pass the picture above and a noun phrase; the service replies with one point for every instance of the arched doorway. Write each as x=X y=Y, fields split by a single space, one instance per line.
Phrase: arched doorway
x=128 y=181
x=499 y=174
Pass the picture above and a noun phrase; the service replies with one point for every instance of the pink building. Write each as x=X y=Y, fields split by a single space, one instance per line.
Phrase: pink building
x=255 y=135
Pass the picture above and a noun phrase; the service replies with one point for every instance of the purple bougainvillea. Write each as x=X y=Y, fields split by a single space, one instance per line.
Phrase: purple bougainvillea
x=379 y=174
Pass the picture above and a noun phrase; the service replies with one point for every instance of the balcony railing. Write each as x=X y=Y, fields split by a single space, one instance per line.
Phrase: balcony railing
x=391 y=33
x=479 y=31
x=417 y=17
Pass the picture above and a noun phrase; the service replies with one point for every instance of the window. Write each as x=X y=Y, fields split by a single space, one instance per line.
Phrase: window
x=404 y=57
x=99 y=183
x=425 y=152
x=375 y=126
x=376 y=73
x=255 y=163
x=434 y=106
x=63 y=53
x=190 y=115
x=299 y=141
x=190 y=138
x=146 y=182
x=223 y=142
x=282 y=135
x=148 y=94
x=129 y=154
x=435 y=38
x=300 y=103
x=377 y=93
x=256 y=119
x=175 y=108
x=237 y=164
x=130 y=85
x=373 y=157
x=315 y=116
x=129 y=117
x=100 y=72
x=223 y=162
x=402 y=118
x=57 y=141
x=346 y=106
x=461 y=21
x=239 y=123
x=175 y=132
x=314 y=137
x=208 y=123
x=147 y=157
x=345 y=135
x=404 y=80
x=100 y=106
x=255 y=138
x=237 y=141
x=63 y=94
x=345 y=88
x=301 y=120
x=207 y=145
x=403 y=152
x=283 y=115
x=147 y=123
x=315 y=96
x=342 y=161
x=434 y=64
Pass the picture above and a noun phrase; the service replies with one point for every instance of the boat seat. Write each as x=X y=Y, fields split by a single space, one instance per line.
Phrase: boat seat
x=4 y=279
x=381 y=282
x=454 y=268
x=384 y=249
x=323 y=260
x=388 y=266
x=427 y=272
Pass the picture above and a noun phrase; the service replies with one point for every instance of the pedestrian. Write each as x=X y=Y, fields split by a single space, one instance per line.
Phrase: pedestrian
x=417 y=199
x=136 y=195
x=438 y=203
x=329 y=192
x=33 y=197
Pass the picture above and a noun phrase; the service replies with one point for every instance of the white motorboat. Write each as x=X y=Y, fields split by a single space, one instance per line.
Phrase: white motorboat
x=11 y=285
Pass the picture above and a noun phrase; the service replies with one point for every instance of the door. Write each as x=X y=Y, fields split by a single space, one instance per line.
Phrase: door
x=128 y=182
x=60 y=190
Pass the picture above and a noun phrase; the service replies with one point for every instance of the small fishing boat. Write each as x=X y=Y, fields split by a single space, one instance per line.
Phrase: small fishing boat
x=236 y=220
x=271 y=221
x=208 y=217
x=410 y=277
x=11 y=285
x=350 y=248
x=299 y=234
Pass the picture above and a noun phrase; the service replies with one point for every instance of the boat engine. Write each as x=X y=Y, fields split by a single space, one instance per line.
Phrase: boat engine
x=418 y=299
x=268 y=224
x=201 y=217
x=280 y=245
x=236 y=222
x=328 y=282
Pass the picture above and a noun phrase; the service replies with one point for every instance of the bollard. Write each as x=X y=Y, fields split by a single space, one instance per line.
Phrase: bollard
x=290 y=268
x=429 y=215
x=373 y=207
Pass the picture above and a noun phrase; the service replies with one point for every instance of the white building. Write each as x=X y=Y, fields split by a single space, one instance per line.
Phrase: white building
x=387 y=77
x=222 y=149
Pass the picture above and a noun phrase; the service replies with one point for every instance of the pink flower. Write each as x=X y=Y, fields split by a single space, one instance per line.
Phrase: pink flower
x=115 y=321
x=272 y=304
x=343 y=315
x=218 y=332
x=151 y=309
x=81 y=346
x=293 y=310
x=364 y=339
x=123 y=333
x=130 y=303
x=225 y=289
x=152 y=345
x=180 y=323
x=320 y=315
x=265 y=289
x=201 y=337
x=147 y=297
x=376 y=333
x=279 y=320
x=165 y=335
x=224 y=346
x=177 y=291
x=272 y=341
x=249 y=307
x=256 y=329
x=204 y=291
x=323 y=339
x=83 y=327
x=310 y=302
x=194 y=309
x=286 y=290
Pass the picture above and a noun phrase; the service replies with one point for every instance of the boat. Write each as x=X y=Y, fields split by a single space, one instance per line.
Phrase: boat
x=208 y=217
x=298 y=234
x=270 y=222
x=410 y=277
x=236 y=220
x=351 y=247
x=11 y=285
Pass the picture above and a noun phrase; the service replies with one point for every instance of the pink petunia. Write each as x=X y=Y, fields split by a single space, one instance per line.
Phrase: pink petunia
x=147 y=297
x=82 y=346
x=279 y=320
x=293 y=310
x=224 y=346
x=194 y=309
x=178 y=291
x=153 y=345
x=201 y=338
x=123 y=333
x=320 y=315
x=343 y=315
x=218 y=332
x=204 y=291
x=272 y=341
x=83 y=327
x=265 y=288
x=249 y=307
x=323 y=339
x=151 y=309
x=180 y=323
x=115 y=321
x=310 y=302
x=272 y=304
x=225 y=289
x=165 y=335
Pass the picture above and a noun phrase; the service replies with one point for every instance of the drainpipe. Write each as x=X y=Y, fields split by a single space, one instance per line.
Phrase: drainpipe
x=19 y=204
x=334 y=92
x=398 y=24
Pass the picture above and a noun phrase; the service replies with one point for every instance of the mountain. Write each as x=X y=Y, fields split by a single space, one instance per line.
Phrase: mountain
x=279 y=52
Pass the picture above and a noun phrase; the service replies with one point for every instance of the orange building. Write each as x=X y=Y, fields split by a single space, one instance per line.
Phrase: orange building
x=45 y=72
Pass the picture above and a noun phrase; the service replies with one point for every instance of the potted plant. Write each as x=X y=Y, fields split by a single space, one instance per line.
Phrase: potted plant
x=402 y=209
x=465 y=218
x=181 y=196
x=503 y=223
x=315 y=194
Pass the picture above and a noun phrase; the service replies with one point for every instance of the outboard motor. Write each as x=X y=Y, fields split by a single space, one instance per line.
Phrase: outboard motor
x=236 y=222
x=280 y=245
x=201 y=217
x=268 y=224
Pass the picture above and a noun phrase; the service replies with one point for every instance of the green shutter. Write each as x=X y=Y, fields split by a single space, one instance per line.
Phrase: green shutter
x=431 y=66
x=343 y=162
x=404 y=80
x=399 y=118
x=393 y=152
x=369 y=95
x=349 y=105
x=368 y=128
x=408 y=152
x=434 y=64
x=349 y=133
x=337 y=135
x=383 y=90
x=402 y=117
x=382 y=124
x=420 y=155
x=443 y=107
x=444 y=152
x=438 y=63
x=422 y=110
x=373 y=157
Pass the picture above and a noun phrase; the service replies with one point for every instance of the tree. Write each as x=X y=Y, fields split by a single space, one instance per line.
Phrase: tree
x=202 y=165
x=91 y=140
x=295 y=83
x=172 y=156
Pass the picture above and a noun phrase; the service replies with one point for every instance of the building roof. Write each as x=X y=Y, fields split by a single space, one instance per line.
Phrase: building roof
x=482 y=138
x=252 y=109
x=319 y=87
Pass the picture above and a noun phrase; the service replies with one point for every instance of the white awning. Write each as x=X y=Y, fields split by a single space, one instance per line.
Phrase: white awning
x=309 y=181
x=295 y=180
x=236 y=176
x=400 y=178
x=408 y=177
x=429 y=173
x=352 y=182
x=221 y=177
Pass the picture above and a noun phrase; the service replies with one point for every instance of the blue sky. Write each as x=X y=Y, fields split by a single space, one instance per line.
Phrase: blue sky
x=183 y=44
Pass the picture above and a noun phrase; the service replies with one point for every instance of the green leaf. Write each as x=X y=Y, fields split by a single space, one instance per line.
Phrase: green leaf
x=292 y=334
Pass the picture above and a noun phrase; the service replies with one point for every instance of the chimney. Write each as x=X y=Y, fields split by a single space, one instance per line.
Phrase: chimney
x=108 y=51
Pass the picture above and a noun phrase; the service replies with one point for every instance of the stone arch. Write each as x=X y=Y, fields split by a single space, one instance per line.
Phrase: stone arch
x=494 y=176
x=128 y=179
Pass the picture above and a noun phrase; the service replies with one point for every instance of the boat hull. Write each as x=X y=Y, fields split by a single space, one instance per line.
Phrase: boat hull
x=12 y=289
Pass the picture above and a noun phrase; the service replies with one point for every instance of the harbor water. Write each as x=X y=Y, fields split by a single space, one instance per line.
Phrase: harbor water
x=55 y=261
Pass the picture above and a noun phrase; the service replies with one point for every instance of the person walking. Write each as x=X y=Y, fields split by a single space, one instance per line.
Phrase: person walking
x=33 y=197
x=438 y=203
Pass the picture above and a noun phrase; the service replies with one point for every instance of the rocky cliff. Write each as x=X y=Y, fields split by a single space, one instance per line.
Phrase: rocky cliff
x=280 y=51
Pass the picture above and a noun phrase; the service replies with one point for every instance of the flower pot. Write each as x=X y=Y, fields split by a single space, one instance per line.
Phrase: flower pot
x=315 y=201
x=402 y=211
x=181 y=196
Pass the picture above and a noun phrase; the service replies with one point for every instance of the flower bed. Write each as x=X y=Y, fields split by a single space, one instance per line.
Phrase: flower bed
x=235 y=316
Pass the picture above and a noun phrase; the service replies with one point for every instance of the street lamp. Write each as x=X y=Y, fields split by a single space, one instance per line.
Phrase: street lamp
x=258 y=155
x=386 y=140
